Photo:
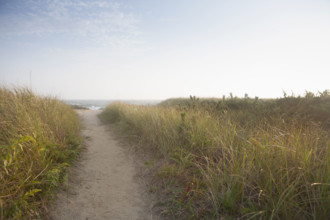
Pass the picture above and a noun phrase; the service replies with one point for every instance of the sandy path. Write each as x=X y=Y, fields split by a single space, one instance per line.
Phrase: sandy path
x=103 y=184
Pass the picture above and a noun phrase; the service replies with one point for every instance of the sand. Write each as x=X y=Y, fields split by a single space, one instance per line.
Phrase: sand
x=103 y=184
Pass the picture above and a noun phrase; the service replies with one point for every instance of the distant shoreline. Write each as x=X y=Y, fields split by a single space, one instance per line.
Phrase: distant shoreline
x=100 y=104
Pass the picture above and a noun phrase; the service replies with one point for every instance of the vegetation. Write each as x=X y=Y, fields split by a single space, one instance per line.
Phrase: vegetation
x=79 y=107
x=235 y=157
x=38 y=139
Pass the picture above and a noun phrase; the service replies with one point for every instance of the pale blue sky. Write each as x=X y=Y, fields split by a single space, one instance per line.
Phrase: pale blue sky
x=156 y=49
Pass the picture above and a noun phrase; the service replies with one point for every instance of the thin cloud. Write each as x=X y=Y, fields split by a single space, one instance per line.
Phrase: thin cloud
x=101 y=22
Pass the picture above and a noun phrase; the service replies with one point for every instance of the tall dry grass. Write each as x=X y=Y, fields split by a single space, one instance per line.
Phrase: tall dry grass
x=38 y=138
x=236 y=158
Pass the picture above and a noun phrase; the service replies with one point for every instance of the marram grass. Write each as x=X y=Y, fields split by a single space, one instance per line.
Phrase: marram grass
x=38 y=139
x=236 y=158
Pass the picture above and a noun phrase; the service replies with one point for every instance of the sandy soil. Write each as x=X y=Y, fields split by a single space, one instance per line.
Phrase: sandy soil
x=104 y=183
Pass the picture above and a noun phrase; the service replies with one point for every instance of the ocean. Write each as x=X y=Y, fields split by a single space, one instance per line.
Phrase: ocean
x=99 y=104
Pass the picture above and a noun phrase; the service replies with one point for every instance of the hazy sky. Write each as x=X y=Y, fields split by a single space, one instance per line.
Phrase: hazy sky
x=156 y=49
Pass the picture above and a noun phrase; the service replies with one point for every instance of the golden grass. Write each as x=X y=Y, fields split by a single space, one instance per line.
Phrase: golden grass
x=237 y=158
x=38 y=138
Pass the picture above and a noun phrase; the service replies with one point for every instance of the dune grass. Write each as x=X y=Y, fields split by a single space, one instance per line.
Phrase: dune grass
x=38 y=139
x=236 y=158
